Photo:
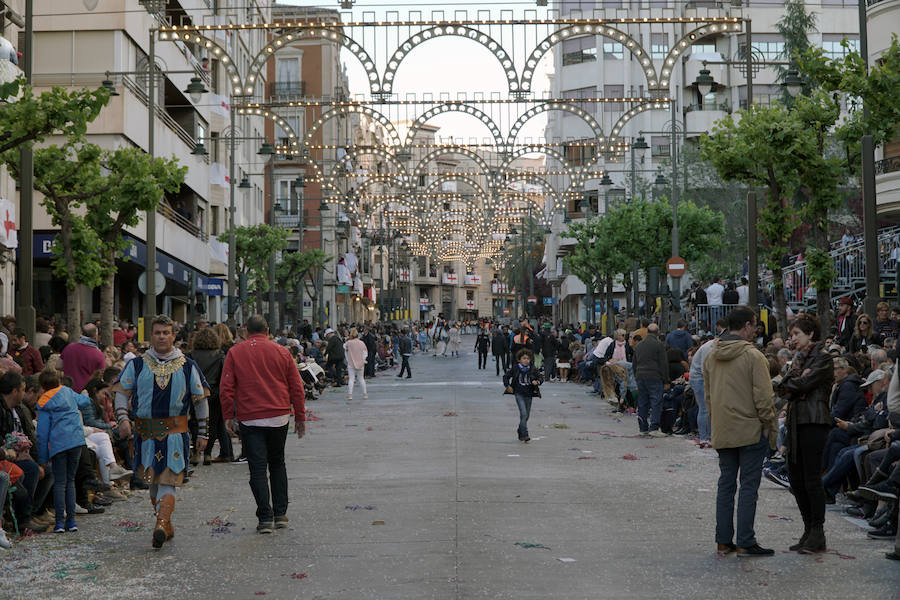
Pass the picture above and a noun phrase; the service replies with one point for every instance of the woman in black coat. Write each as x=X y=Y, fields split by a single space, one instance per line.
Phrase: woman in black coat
x=807 y=388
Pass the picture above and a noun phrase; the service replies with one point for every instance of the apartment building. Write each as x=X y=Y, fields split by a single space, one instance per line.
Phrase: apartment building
x=883 y=21
x=78 y=48
x=604 y=67
x=11 y=23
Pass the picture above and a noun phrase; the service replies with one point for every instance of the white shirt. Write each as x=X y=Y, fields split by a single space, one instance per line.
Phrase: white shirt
x=743 y=294
x=600 y=350
x=269 y=421
x=714 y=293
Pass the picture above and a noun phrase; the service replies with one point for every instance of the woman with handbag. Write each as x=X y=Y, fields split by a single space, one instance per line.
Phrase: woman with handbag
x=807 y=388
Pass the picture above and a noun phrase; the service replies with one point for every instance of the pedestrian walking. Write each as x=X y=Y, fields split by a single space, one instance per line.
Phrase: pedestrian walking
x=439 y=337
x=158 y=389
x=260 y=384
x=523 y=380
x=371 y=343
x=334 y=355
x=807 y=388
x=651 y=369
x=454 y=340
x=500 y=349
x=744 y=426
x=549 y=350
x=482 y=344
x=357 y=353
x=405 y=349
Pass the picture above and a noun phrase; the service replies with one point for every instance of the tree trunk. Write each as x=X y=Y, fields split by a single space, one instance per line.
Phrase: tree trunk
x=73 y=312
x=779 y=301
x=610 y=317
x=107 y=289
x=823 y=288
x=629 y=296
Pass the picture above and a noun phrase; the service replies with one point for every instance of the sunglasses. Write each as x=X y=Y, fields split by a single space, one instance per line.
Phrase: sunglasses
x=865 y=322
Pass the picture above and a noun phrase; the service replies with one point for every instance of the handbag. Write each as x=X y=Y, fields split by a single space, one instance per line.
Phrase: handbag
x=14 y=471
x=876 y=440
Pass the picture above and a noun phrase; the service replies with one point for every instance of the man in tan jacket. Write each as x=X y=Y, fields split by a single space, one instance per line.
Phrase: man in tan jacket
x=743 y=427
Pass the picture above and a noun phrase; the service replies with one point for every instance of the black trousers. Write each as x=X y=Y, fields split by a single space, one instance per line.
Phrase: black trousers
x=805 y=472
x=405 y=366
x=482 y=359
x=502 y=361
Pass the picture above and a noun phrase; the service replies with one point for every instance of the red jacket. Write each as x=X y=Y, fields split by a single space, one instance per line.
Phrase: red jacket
x=260 y=380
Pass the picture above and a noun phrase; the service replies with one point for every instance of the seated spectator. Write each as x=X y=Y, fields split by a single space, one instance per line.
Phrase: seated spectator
x=847 y=401
x=864 y=335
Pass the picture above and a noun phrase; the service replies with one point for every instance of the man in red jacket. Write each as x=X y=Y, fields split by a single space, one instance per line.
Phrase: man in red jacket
x=260 y=382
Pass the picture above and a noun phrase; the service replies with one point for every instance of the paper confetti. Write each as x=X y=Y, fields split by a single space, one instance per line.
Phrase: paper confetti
x=309 y=417
x=450 y=414
x=358 y=507
x=587 y=458
x=559 y=426
x=377 y=522
x=566 y=560
x=531 y=545
x=630 y=457
x=513 y=455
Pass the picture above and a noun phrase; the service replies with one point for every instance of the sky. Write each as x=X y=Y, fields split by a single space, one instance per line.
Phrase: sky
x=448 y=64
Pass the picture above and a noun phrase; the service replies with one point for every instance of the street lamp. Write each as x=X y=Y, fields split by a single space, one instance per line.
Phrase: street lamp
x=792 y=83
x=196 y=89
x=661 y=180
x=320 y=292
x=266 y=149
x=704 y=82
x=199 y=149
x=605 y=183
x=245 y=183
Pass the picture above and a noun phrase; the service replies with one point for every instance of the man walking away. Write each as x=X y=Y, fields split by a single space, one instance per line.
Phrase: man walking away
x=405 y=352
x=739 y=399
x=482 y=343
x=500 y=349
x=651 y=369
x=680 y=338
x=260 y=383
x=334 y=355
x=549 y=349
x=82 y=359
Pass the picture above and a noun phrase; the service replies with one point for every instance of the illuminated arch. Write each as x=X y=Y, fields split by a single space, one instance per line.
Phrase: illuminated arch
x=479 y=190
x=633 y=112
x=235 y=78
x=574 y=173
x=373 y=114
x=479 y=37
x=558 y=202
x=403 y=179
x=454 y=107
x=606 y=31
x=462 y=151
x=546 y=106
x=685 y=43
x=279 y=120
x=291 y=35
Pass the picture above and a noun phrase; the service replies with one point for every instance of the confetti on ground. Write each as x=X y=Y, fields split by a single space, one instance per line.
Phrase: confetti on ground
x=566 y=560
x=630 y=457
x=370 y=428
x=358 y=507
x=674 y=465
x=128 y=526
x=703 y=490
x=416 y=398
x=259 y=593
x=450 y=414
x=780 y=518
x=559 y=426
x=649 y=446
x=531 y=545
x=513 y=455
x=310 y=416
x=295 y=575
x=587 y=458
x=218 y=521
x=377 y=522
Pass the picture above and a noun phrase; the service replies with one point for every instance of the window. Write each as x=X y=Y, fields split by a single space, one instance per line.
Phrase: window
x=703 y=48
x=579 y=154
x=578 y=50
x=659 y=145
x=214 y=146
x=763 y=95
x=831 y=43
x=613 y=91
x=214 y=220
x=659 y=45
x=585 y=92
x=585 y=7
x=613 y=51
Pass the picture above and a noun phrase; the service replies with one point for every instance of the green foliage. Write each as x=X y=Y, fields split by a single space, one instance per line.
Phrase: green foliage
x=795 y=26
x=254 y=245
x=294 y=267
x=522 y=252
x=31 y=118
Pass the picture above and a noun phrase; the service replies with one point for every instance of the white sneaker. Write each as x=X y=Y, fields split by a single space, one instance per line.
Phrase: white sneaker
x=80 y=510
x=4 y=541
x=658 y=434
x=116 y=471
x=349 y=397
x=365 y=396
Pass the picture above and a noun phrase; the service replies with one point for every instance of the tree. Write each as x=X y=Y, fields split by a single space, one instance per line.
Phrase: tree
x=67 y=176
x=795 y=26
x=762 y=150
x=134 y=183
x=295 y=268
x=26 y=118
x=255 y=244
x=522 y=255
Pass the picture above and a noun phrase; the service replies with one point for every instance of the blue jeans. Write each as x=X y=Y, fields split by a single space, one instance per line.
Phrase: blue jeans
x=836 y=442
x=702 y=414
x=649 y=400
x=841 y=467
x=524 y=404
x=264 y=449
x=65 y=464
x=745 y=462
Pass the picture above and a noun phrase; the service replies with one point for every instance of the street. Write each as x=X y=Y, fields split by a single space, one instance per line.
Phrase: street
x=423 y=491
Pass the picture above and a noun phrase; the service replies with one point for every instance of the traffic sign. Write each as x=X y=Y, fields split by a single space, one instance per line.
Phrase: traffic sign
x=506 y=312
x=548 y=301
x=676 y=267
x=532 y=299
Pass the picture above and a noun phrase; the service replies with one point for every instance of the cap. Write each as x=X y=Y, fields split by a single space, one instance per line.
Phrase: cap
x=845 y=300
x=329 y=330
x=876 y=375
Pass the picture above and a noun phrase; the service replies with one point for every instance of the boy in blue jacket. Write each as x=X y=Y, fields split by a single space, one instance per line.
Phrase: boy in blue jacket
x=60 y=436
x=523 y=380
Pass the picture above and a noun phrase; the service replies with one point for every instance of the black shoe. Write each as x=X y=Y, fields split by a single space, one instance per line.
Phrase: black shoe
x=94 y=510
x=409 y=376
x=265 y=527
x=778 y=478
x=881 y=518
x=102 y=501
x=815 y=541
x=829 y=498
x=95 y=484
x=888 y=532
x=886 y=490
x=755 y=550
x=726 y=548
x=892 y=555
x=139 y=484
x=207 y=460
x=855 y=496
x=859 y=511
x=240 y=460
x=526 y=439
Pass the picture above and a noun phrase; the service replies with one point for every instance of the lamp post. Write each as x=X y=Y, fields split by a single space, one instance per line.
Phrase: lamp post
x=320 y=284
x=639 y=144
x=26 y=315
x=268 y=151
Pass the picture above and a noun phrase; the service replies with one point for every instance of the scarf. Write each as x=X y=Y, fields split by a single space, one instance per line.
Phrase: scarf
x=619 y=350
x=87 y=341
x=164 y=365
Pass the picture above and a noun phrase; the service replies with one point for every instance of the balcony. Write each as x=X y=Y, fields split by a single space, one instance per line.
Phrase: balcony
x=287 y=90
x=183 y=222
x=702 y=117
x=887 y=186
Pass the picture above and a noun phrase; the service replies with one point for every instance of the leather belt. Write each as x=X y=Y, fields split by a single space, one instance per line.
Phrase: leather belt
x=161 y=427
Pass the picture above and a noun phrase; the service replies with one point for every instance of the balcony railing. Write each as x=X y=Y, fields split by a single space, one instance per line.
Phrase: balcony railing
x=282 y=90
x=168 y=212
x=888 y=165
x=723 y=106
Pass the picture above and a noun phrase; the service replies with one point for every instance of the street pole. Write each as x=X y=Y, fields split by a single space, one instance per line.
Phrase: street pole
x=676 y=281
x=870 y=203
x=273 y=312
x=26 y=314
x=528 y=307
x=232 y=242
x=321 y=279
x=635 y=275
x=150 y=270
x=752 y=258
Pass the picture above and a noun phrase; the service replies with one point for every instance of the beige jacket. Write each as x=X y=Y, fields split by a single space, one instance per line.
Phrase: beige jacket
x=739 y=395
